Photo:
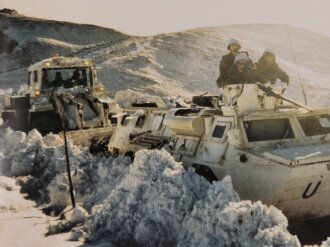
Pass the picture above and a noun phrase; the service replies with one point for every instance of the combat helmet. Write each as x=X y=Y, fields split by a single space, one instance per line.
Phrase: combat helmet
x=232 y=42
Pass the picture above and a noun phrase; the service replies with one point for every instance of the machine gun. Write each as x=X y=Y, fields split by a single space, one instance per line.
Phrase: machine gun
x=270 y=92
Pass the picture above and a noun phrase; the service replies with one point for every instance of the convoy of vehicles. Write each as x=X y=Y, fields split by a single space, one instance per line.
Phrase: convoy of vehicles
x=275 y=149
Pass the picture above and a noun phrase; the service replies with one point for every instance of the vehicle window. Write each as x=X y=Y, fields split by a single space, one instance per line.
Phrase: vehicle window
x=219 y=131
x=29 y=79
x=157 y=122
x=315 y=125
x=268 y=129
x=67 y=77
x=35 y=76
x=124 y=121
x=140 y=121
x=187 y=112
x=45 y=79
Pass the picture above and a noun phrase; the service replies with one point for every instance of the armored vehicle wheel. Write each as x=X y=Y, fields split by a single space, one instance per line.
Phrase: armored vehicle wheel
x=130 y=154
x=206 y=172
x=99 y=145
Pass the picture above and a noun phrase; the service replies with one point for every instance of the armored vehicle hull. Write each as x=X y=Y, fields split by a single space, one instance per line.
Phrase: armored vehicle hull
x=275 y=152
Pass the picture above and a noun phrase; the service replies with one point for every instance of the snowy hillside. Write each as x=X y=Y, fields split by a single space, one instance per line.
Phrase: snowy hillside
x=176 y=63
x=37 y=39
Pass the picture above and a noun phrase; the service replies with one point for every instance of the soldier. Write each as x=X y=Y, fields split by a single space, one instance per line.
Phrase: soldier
x=58 y=81
x=75 y=75
x=269 y=70
x=227 y=61
x=75 y=79
x=243 y=71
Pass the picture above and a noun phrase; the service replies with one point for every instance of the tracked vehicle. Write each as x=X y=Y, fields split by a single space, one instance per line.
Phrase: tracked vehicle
x=61 y=90
x=275 y=149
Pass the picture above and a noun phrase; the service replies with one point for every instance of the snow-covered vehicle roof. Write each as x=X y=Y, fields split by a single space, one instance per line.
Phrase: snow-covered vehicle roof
x=61 y=62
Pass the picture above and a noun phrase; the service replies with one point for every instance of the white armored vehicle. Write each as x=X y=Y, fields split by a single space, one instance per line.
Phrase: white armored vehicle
x=275 y=152
x=60 y=87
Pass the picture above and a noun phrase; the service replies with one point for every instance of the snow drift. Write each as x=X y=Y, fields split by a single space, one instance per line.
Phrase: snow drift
x=4 y=92
x=161 y=204
x=153 y=201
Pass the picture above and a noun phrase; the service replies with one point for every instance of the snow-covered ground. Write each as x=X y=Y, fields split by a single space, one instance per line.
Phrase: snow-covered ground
x=153 y=201
x=22 y=223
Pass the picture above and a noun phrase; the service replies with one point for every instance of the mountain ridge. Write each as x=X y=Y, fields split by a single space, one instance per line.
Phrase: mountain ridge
x=169 y=63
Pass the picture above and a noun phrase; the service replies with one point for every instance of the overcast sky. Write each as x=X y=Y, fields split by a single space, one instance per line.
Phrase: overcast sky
x=146 y=17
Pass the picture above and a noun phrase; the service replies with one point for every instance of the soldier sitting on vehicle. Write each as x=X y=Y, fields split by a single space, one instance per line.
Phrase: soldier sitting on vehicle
x=243 y=71
x=58 y=81
x=227 y=61
x=269 y=70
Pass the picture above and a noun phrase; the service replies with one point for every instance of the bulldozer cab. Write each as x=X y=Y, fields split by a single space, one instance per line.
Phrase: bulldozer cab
x=60 y=88
x=66 y=77
x=60 y=72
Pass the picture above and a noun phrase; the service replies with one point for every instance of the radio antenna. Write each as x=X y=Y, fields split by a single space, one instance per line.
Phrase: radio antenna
x=295 y=61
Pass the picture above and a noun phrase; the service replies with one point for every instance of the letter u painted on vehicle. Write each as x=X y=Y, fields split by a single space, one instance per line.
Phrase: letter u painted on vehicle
x=308 y=193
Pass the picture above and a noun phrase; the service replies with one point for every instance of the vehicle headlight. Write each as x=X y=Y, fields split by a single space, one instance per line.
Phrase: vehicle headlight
x=37 y=93
x=101 y=88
